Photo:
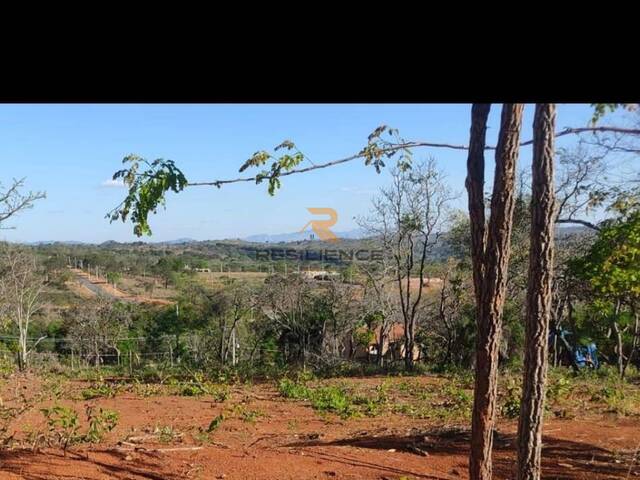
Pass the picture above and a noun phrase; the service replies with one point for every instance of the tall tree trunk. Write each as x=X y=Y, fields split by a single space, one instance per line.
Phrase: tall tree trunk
x=22 y=354
x=557 y=321
x=634 y=342
x=492 y=274
x=475 y=189
x=223 y=353
x=96 y=351
x=381 y=340
x=408 y=344
x=619 y=342
x=539 y=294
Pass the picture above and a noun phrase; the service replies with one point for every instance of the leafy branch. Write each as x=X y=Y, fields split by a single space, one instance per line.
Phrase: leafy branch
x=149 y=181
x=146 y=190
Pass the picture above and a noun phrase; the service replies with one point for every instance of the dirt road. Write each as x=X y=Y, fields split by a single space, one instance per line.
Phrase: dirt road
x=99 y=286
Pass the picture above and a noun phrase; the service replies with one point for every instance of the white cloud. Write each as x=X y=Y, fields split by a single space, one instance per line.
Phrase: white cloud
x=112 y=183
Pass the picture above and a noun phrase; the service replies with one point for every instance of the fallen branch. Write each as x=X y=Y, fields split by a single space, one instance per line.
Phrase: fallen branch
x=158 y=450
x=176 y=449
x=418 y=450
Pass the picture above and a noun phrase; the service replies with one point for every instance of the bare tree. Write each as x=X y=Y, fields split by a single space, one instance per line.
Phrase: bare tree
x=490 y=248
x=407 y=218
x=617 y=140
x=96 y=328
x=21 y=285
x=539 y=294
x=288 y=302
x=581 y=183
x=449 y=313
x=380 y=301
x=343 y=311
x=12 y=201
x=233 y=304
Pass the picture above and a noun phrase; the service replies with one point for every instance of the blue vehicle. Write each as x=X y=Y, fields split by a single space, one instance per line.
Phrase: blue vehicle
x=579 y=356
x=586 y=356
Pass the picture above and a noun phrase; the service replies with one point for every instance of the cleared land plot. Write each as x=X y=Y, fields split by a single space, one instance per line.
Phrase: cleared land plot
x=371 y=428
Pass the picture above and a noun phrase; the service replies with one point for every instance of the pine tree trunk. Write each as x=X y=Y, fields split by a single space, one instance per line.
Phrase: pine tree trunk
x=539 y=294
x=493 y=275
x=475 y=189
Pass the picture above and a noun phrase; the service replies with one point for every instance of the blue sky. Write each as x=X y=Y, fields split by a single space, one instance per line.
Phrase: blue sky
x=70 y=151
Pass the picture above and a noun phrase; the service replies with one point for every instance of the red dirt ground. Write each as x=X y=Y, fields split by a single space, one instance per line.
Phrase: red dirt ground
x=289 y=440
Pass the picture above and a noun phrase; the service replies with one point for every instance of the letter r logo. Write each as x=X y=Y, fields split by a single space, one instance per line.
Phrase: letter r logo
x=322 y=227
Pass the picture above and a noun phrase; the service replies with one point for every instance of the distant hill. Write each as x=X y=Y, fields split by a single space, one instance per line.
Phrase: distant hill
x=306 y=239
x=564 y=230
x=53 y=242
x=177 y=241
x=301 y=236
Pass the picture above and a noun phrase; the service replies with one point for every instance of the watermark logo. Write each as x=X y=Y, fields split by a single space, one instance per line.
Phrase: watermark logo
x=322 y=228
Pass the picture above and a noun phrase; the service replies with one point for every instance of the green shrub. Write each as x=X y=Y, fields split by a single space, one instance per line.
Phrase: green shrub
x=295 y=390
x=63 y=425
x=247 y=415
x=511 y=404
x=167 y=434
x=100 y=423
x=559 y=385
x=191 y=390
x=457 y=399
x=97 y=391
x=147 y=389
x=328 y=398
x=333 y=399
x=7 y=365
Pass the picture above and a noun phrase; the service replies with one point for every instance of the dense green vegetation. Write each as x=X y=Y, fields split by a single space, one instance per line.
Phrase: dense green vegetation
x=334 y=319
